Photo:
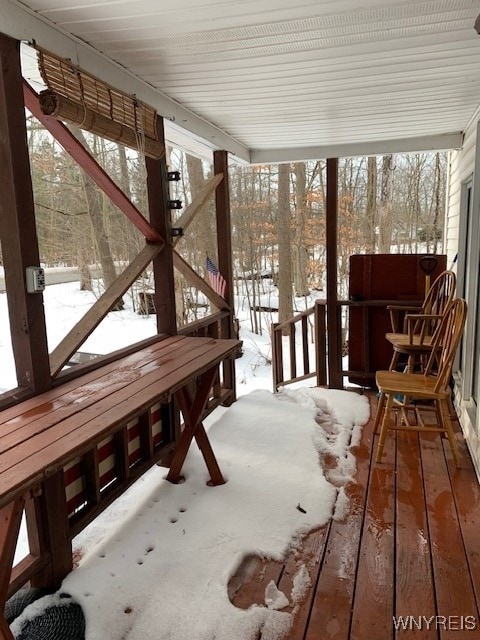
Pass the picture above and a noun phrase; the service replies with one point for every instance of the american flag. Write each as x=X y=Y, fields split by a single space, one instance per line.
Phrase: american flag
x=218 y=282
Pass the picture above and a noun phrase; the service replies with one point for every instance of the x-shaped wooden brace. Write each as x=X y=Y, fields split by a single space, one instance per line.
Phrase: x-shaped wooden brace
x=10 y=520
x=192 y=410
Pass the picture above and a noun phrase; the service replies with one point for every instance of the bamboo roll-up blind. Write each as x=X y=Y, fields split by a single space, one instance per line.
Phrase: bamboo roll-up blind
x=79 y=98
x=54 y=104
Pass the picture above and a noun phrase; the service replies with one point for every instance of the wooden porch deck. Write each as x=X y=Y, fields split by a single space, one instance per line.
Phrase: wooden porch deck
x=410 y=546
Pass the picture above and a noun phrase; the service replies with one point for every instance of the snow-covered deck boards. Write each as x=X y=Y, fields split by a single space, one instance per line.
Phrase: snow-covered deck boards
x=409 y=547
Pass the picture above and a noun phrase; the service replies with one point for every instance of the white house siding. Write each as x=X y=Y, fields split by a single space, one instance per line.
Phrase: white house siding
x=461 y=168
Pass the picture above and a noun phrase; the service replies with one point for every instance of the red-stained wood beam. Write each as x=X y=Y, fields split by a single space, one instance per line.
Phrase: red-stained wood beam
x=18 y=233
x=160 y=218
x=88 y=163
x=224 y=247
x=333 y=329
x=92 y=318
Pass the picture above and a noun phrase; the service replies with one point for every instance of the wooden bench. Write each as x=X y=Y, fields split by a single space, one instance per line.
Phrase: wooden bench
x=67 y=453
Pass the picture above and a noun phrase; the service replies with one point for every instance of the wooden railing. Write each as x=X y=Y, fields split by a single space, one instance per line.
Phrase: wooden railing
x=211 y=327
x=205 y=327
x=309 y=326
x=327 y=370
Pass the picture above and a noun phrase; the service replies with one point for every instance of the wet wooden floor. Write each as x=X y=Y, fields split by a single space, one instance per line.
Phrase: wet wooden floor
x=404 y=563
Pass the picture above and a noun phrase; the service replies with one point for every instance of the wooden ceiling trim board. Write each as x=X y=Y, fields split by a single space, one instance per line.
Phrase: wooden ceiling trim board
x=427 y=143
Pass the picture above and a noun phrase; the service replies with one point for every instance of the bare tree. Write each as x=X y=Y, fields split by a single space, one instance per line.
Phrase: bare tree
x=129 y=237
x=437 y=199
x=299 y=249
x=385 y=221
x=202 y=227
x=371 y=206
x=95 y=204
x=284 y=243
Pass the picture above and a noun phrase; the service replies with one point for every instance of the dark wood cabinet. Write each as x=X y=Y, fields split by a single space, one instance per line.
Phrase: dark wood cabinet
x=377 y=278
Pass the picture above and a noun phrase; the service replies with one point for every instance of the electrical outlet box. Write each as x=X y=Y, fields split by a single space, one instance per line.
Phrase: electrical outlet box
x=35 y=279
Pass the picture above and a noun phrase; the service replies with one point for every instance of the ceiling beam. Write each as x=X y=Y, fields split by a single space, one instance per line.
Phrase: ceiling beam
x=442 y=142
x=23 y=24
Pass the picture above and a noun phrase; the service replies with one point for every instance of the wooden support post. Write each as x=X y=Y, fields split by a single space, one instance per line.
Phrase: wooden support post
x=333 y=330
x=163 y=273
x=320 y=344
x=56 y=527
x=277 y=356
x=17 y=227
x=37 y=540
x=224 y=244
x=293 y=351
x=306 y=356
x=158 y=197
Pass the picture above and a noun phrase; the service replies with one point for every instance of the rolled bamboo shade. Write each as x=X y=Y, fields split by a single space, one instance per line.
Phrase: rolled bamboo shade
x=75 y=96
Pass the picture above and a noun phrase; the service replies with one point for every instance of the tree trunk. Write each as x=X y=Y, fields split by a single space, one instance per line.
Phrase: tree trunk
x=95 y=203
x=130 y=237
x=299 y=249
x=385 y=222
x=371 y=209
x=202 y=226
x=284 y=245
x=85 y=275
x=436 y=234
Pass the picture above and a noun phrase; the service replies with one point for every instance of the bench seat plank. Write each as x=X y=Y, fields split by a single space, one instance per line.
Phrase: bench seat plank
x=74 y=404
x=53 y=400
x=62 y=434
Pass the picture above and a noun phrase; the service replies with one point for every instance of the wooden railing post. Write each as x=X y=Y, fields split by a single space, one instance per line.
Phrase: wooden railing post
x=333 y=336
x=160 y=220
x=293 y=351
x=306 y=356
x=288 y=329
x=224 y=247
x=52 y=519
x=320 y=343
x=277 y=356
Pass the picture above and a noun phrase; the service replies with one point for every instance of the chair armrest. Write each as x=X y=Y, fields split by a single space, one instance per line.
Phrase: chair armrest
x=418 y=324
x=424 y=316
x=400 y=307
x=395 y=311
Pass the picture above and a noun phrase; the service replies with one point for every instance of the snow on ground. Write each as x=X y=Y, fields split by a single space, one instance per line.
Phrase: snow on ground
x=156 y=564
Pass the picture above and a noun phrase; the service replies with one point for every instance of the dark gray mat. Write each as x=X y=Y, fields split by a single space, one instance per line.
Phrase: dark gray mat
x=59 y=621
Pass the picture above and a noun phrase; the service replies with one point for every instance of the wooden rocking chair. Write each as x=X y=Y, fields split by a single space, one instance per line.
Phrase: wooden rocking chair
x=431 y=385
x=416 y=337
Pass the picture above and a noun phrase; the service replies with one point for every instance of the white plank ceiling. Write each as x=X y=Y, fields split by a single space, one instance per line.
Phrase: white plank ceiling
x=280 y=79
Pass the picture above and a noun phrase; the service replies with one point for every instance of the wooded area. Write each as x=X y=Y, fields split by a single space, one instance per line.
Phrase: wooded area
x=385 y=204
